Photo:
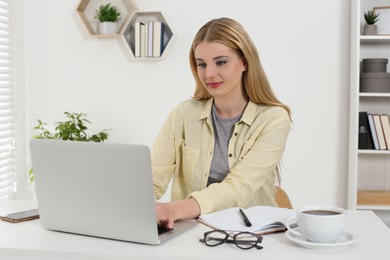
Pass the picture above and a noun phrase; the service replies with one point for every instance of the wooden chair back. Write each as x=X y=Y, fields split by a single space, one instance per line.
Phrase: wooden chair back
x=282 y=198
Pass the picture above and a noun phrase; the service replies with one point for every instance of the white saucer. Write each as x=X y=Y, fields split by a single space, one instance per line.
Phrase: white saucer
x=344 y=240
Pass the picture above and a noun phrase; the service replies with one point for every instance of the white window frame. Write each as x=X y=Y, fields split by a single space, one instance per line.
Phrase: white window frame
x=7 y=122
x=15 y=185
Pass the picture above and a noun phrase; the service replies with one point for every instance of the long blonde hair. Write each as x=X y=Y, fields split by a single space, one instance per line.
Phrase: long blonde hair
x=230 y=33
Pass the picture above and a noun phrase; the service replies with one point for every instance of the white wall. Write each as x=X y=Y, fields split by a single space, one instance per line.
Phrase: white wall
x=304 y=48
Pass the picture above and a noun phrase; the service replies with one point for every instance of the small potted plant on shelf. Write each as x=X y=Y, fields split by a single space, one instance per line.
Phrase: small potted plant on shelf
x=73 y=129
x=371 y=18
x=108 y=16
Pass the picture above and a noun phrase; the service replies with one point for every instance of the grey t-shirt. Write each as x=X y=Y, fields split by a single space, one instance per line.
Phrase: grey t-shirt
x=223 y=130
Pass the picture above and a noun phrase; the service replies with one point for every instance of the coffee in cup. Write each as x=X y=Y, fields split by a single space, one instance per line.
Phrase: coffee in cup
x=319 y=224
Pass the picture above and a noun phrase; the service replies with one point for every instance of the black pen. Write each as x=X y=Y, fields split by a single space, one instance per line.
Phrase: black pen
x=246 y=219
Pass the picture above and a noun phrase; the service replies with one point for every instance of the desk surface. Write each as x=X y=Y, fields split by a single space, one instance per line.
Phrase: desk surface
x=28 y=240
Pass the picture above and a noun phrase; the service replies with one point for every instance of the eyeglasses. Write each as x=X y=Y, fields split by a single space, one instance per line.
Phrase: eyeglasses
x=243 y=240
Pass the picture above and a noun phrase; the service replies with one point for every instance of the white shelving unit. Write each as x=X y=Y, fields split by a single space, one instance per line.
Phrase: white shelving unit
x=369 y=170
x=126 y=30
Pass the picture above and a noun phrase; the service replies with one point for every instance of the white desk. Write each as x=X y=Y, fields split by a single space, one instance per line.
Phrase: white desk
x=29 y=240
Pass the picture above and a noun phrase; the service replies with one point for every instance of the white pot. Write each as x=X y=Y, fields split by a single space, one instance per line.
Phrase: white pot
x=107 y=28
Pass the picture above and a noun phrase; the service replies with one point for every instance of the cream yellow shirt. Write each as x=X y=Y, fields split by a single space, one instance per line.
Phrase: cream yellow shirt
x=184 y=149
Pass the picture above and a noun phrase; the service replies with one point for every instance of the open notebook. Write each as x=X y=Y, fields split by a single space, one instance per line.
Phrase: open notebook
x=98 y=189
x=264 y=219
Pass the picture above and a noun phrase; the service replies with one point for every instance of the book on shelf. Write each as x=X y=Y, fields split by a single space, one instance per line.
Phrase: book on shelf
x=137 y=39
x=365 y=138
x=264 y=219
x=143 y=40
x=149 y=39
x=158 y=38
x=379 y=132
x=373 y=131
x=385 y=121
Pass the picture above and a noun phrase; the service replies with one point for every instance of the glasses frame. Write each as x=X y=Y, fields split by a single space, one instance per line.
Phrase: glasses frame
x=233 y=240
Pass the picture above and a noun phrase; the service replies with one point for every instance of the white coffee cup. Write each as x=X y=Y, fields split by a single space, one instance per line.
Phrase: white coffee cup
x=320 y=224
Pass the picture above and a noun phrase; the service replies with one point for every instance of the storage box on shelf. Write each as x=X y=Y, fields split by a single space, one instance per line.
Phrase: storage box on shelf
x=374 y=65
x=369 y=170
x=143 y=40
x=377 y=198
x=87 y=11
x=374 y=77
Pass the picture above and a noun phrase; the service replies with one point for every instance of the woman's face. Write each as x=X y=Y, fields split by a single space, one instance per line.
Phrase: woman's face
x=219 y=69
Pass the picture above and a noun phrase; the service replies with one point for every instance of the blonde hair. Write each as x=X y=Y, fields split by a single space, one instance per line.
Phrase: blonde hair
x=230 y=33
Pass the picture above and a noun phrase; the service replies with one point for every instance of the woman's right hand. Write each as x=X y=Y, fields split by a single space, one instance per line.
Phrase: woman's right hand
x=168 y=213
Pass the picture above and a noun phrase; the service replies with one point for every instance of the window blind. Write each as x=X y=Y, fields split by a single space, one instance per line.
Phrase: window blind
x=7 y=153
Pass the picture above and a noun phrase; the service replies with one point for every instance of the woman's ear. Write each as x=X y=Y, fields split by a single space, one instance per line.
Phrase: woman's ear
x=244 y=64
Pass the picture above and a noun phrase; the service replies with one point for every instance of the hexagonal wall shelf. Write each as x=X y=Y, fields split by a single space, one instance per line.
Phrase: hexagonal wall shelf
x=87 y=12
x=133 y=40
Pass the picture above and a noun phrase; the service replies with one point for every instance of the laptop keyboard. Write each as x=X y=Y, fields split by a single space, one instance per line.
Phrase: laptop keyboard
x=162 y=229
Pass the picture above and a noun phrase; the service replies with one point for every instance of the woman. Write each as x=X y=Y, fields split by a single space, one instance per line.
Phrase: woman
x=222 y=147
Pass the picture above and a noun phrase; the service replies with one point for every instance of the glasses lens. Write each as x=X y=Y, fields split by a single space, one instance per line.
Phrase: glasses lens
x=215 y=238
x=246 y=240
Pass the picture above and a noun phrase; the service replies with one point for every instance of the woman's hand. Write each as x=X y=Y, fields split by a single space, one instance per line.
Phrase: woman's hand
x=168 y=213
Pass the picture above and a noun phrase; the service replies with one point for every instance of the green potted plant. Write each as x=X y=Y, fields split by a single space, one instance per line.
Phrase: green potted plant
x=108 y=16
x=73 y=129
x=371 y=18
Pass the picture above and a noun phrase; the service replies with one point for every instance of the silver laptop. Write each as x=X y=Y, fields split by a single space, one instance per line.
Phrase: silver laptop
x=98 y=189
